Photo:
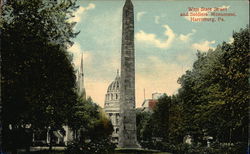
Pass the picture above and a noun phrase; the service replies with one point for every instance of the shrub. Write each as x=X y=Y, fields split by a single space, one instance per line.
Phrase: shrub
x=102 y=146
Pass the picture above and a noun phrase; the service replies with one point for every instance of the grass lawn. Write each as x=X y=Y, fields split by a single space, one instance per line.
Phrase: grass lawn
x=116 y=152
x=137 y=151
x=60 y=150
x=42 y=152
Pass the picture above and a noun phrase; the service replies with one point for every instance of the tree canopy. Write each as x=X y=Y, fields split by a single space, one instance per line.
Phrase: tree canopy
x=213 y=99
x=38 y=79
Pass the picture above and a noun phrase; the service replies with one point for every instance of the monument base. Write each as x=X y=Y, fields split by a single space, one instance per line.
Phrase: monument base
x=129 y=146
x=135 y=150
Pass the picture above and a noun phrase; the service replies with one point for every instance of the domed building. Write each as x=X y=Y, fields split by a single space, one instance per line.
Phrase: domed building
x=112 y=105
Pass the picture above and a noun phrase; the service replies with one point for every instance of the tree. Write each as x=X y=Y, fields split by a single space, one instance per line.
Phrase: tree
x=84 y=118
x=92 y=128
x=176 y=124
x=212 y=101
x=215 y=92
x=161 y=117
x=38 y=80
x=162 y=128
x=142 y=119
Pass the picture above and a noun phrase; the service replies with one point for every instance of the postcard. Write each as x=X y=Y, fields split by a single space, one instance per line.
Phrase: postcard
x=117 y=76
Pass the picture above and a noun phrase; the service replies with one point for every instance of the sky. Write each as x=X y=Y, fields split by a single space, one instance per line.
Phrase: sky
x=165 y=42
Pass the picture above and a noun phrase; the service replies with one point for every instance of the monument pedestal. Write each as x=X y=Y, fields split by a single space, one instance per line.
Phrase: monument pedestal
x=136 y=151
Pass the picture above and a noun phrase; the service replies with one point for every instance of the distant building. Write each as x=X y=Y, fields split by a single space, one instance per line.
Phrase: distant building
x=112 y=105
x=156 y=95
x=149 y=104
x=80 y=81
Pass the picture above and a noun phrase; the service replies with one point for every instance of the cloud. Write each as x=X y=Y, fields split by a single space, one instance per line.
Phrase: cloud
x=186 y=38
x=149 y=38
x=157 y=19
x=95 y=87
x=231 y=40
x=139 y=15
x=104 y=59
x=79 y=13
x=203 y=46
x=77 y=53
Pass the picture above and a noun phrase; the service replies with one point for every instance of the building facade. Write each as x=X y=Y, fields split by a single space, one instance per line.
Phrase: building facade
x=149 y=104
x=112 y=106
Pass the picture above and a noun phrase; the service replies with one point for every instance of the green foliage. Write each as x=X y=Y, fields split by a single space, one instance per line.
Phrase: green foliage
x=161 y=118
x=142 y=119
x=85 y=114
x=40 y=18
x=93 y=129
x=215 y=92
x=102 y=146
x=89 y=120
x=38 y=80
x=212 y=101
x=164 y=124
x=215 y=149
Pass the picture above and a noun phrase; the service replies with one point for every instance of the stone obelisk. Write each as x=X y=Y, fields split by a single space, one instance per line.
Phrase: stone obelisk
x=127 y=128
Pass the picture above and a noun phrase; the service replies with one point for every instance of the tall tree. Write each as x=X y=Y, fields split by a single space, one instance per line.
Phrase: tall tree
x=92 y=128
x=215 y=92
x=142 y=119
x=38 y=81
x=213 y=99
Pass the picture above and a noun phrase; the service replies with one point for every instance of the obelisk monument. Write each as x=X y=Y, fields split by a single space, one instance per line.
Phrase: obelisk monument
x=127 y=128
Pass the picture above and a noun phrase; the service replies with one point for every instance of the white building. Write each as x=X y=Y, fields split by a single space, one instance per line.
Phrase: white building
x=112 y=105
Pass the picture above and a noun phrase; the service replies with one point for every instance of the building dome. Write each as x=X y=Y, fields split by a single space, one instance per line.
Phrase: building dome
x=113 y=92
x=115 y=85
x=112 y=105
